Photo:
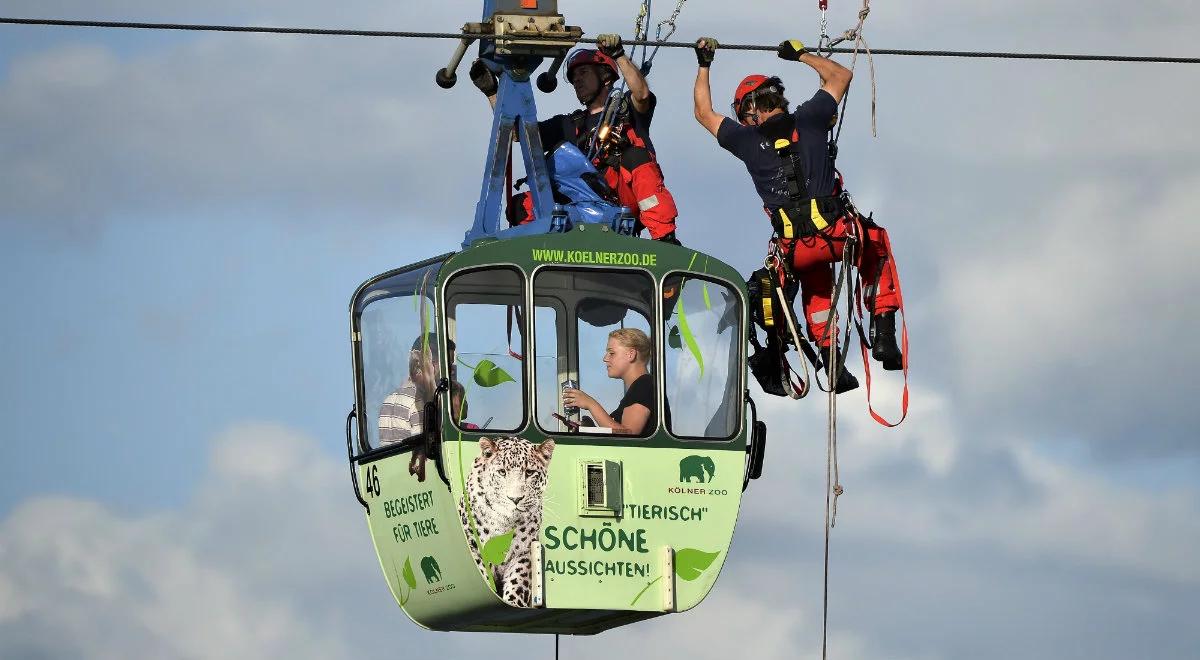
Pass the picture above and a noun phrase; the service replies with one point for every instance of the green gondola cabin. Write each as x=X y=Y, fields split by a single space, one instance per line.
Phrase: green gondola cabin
x=610 y=529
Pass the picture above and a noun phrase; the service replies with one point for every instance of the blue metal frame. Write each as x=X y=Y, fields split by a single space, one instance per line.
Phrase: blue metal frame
x=516 y=112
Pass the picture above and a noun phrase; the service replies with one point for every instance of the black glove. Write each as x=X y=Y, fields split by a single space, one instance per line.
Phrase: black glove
x=669 y=238
x=483 y=78
x=791 y=49
x=705 y=53
x=610 y=44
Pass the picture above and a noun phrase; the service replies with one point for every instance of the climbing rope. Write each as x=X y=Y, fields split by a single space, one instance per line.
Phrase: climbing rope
x=855 y=34
x=639 y=30
x=833 y=484
x=789 y=320
x=637 y=42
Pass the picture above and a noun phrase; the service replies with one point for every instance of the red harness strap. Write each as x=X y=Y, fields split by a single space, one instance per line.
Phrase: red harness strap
x=514 y=311
x=508 y=182
x=903 y=336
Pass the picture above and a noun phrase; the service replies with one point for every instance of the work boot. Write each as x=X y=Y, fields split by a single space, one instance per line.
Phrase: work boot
x=883 y=341
x=845 y=380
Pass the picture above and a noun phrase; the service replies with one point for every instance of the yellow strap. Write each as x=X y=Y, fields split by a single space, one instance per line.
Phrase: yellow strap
x=768 y=313
x=818 y=220
x=787 y=224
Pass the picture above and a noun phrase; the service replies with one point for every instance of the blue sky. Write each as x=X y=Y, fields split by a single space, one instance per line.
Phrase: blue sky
x=183 y=218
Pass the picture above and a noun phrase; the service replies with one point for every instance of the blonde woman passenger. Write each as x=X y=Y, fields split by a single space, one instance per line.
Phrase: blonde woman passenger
x=627 y=357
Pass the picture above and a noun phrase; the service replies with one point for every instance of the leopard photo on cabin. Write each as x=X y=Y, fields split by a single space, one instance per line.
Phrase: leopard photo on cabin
x=504 y=493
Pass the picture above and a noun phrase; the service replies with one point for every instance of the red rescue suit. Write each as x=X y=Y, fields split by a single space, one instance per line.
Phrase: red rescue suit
x=639 y=184
x=632 y=171
x=812 y=256
x=812 y=233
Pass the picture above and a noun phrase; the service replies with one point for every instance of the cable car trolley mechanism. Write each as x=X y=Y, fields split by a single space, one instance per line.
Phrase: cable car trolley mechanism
x=493 y=506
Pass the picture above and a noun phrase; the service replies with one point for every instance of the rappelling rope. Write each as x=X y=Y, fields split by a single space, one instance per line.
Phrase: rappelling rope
x=789 y=320
x=855 y=33
x=639 y=30
x=860 y=42
x=833 y=485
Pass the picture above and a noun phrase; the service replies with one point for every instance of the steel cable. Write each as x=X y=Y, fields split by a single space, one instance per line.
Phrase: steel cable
x=637 y=42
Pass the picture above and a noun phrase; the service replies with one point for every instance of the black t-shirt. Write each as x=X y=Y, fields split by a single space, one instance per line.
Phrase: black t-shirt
x=562 y=127
x=754 y=145
x=641 y=391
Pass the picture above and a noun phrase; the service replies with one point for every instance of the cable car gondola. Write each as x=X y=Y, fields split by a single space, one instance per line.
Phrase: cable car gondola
x=527 y=518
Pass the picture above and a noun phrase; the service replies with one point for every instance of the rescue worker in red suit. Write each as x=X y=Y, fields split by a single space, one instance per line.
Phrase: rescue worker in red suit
x=627 y=162
x=788 y=157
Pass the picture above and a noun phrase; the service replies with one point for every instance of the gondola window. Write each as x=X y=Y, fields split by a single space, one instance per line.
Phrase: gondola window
x=481 y=307
x=597 y=302
x=701 y=354
x=396 y=314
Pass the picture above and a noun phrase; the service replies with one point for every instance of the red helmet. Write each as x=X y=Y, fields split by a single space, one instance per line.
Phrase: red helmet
x=752 y=85
x=590 y=56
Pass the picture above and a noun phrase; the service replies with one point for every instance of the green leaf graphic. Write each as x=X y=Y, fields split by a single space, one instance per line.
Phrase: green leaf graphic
x=460 y=414
x=639 y=594
x=403 y=599
x=690 y=338
x=409 y=578
x=487 y=374
x=690 y=563
x=496 y=549
x=673 y=339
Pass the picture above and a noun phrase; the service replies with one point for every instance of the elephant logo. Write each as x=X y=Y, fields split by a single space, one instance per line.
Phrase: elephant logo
x=696 y=466
x=433 y=572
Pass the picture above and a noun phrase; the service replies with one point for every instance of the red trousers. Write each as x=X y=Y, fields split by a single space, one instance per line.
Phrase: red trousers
x=643 y=190
x=811 y=259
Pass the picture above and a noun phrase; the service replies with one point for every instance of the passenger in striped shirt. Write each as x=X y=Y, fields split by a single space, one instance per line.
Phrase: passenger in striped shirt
x=400 y=413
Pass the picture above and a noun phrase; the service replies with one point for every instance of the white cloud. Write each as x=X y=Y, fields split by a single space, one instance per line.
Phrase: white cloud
x=1081 y=318
x=270 y=558
x=1010 y=200
x=930 y=484
x=179 y=583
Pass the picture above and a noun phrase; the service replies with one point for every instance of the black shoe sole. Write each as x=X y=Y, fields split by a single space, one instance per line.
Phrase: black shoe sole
x=847 y=382
x=892 y=359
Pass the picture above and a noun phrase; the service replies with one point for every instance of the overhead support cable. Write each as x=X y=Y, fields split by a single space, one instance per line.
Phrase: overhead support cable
x=636 y=42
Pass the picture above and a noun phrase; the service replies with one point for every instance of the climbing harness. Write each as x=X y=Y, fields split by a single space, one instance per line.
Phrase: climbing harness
x=772 y=293
x=810 y=216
